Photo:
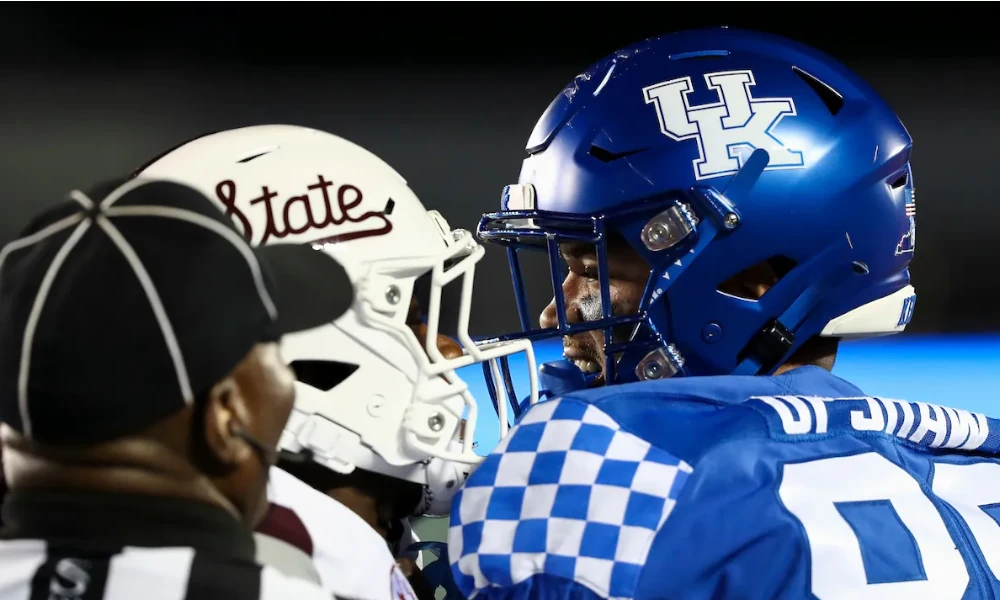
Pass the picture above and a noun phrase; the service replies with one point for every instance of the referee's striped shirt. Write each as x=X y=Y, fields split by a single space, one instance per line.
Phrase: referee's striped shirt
x=93 y=546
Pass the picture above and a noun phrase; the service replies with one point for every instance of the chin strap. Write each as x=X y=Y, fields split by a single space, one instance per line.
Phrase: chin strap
x=556 y=379
x=773 y=344
x=560 y=377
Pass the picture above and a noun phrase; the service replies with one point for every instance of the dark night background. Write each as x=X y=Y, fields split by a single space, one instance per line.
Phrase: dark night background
x=448 y=93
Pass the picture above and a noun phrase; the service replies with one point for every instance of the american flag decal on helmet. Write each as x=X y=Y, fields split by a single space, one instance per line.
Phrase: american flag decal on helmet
x=909 y=239
x=911 y=203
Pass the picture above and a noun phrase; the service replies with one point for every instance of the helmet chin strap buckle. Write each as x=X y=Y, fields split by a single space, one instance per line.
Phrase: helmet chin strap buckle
x=661 y=363
x=766 y=349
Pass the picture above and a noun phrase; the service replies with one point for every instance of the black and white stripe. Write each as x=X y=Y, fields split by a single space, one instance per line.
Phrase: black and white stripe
x=39 y=570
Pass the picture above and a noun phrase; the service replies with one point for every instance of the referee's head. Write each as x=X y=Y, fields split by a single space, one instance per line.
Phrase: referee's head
x=138 y=346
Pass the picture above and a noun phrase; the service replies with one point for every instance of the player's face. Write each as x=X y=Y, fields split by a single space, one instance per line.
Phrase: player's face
x=628 y=274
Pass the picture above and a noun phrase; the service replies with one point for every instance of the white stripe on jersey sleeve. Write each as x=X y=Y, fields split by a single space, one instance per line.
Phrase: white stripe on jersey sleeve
x=149 y=574
x=19 y=558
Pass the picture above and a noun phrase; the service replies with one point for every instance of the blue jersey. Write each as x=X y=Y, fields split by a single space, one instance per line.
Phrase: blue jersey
x=794 y=486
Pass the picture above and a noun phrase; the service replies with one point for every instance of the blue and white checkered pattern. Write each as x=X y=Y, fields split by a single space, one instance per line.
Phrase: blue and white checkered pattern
x=569 y=494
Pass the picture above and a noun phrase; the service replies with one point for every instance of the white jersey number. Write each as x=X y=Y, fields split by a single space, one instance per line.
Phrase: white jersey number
x=812 y=490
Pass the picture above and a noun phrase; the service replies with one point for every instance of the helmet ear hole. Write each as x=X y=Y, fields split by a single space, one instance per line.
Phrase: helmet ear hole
x=900 y=181
x=323 y=375
x=754 y=281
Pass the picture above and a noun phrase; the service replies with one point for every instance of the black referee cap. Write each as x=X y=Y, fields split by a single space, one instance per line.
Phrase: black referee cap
x=120 y=306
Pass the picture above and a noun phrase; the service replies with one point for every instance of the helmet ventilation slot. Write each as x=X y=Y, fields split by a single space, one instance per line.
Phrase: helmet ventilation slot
x=830 y=97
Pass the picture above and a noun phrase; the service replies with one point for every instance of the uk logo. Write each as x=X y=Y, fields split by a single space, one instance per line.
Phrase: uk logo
x=909 y=239
x=729 y=130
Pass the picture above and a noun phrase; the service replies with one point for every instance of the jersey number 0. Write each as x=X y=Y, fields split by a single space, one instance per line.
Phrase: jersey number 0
x=830 y=496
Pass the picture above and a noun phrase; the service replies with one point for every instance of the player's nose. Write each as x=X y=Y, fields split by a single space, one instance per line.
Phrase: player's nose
x=572 y=291
x=448 y=347
x=550 y=317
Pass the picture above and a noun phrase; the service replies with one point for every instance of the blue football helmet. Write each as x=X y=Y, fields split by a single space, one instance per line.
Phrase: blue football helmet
x=709 y=152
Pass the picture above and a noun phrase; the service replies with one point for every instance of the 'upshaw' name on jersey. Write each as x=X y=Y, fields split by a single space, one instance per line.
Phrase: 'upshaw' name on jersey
x=793 y=486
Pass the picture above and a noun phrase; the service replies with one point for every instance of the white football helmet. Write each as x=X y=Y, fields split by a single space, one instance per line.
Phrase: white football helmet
x=400 y=412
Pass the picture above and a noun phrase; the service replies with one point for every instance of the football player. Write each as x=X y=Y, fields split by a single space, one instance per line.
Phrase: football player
x=730 y=206
x=382 y=427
